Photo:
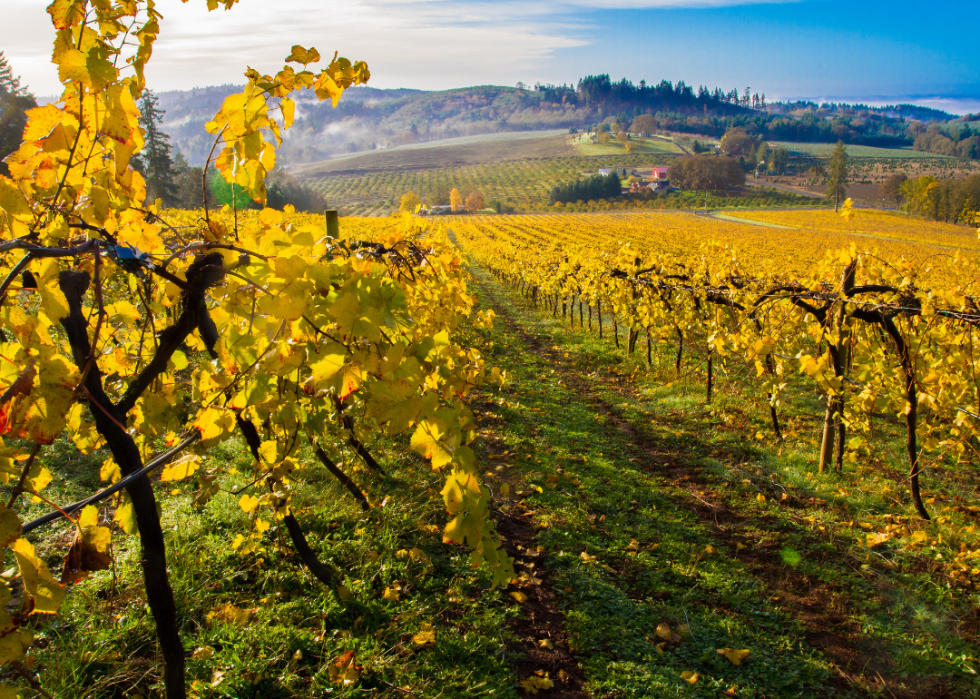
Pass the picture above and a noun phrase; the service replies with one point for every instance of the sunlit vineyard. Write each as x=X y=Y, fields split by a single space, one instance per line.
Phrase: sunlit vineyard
x=878 y=225
x=760 y=250
x=883 y=324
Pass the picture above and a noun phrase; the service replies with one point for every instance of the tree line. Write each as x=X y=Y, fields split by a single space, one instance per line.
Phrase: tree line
x=591 y=188
x=15 y=100
x=707 y=173
x=951 y=201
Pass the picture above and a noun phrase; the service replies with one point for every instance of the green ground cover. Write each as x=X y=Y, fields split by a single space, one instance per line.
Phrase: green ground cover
x=668 y=510
x=584 y=145
x=825 y=150
x=658 y=529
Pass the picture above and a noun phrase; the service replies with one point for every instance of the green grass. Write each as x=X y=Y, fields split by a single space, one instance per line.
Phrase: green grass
x=103 y=644
x=790 y=582
x=825 y=150
x=639 y=145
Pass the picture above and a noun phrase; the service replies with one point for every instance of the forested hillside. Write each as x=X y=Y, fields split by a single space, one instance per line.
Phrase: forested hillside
x=376 y=119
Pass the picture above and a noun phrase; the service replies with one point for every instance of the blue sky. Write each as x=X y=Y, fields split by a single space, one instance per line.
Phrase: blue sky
x=876 y=50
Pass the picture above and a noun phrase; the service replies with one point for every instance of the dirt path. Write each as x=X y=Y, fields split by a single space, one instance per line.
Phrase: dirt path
x=861 y=667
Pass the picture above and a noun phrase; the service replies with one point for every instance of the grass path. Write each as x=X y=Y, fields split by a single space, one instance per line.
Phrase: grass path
x=649 y=563
x=751 y=222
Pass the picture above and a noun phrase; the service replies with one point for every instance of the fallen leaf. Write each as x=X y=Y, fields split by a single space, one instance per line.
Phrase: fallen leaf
x=425 y=636
x=537 y=682
x=345 y=669
x=203 y=653
x=735 y=657
x=231 y=614
x=690 y=677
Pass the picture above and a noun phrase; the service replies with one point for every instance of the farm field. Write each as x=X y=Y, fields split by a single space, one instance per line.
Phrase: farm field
x=637 y=144
x=371 y=185
x=459 y=141
x=517 y=182
x=437 y=155
x=825 y=150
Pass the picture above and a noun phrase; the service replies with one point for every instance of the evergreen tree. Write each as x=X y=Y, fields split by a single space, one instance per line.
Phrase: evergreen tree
x=8 y=81
x=155 y=161
x=838 y=175
x=14 y=102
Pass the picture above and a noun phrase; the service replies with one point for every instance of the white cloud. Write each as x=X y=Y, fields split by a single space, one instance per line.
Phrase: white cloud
x=411 y=43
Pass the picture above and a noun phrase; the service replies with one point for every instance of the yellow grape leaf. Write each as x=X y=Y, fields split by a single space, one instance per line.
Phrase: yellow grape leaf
x=326 y=367
x=425 y=636
x=214 y=423
x=345 y=669
x=735 y=657
x=760 y=497
x=182 y=468
x=518 y=596
x=110 y=471
x=45 y=590
x=93 y=534
x=304 y=56
x=690 y=677
x=285 y=306
x=248 y=503
x=391 y=594
x=269 y=451
x=179 y=359
x=919 y=537
x=125 y=517
x=664 y=632
x=427 y=441
x=54 y=305
x=709 y=549
x=461 y=490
